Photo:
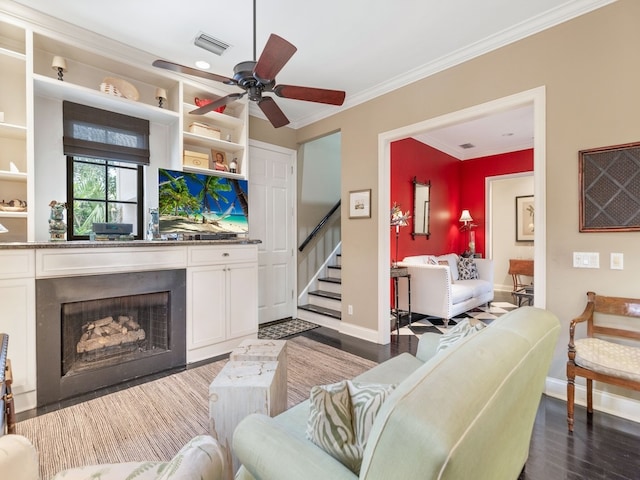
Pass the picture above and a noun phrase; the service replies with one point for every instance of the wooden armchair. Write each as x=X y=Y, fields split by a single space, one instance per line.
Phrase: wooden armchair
x=7 y=411
x=595 y=358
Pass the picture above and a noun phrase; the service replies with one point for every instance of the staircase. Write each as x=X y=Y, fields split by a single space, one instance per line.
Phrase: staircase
x=325 y=303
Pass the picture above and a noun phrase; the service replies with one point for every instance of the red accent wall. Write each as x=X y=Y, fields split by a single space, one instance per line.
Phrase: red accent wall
x=409 y=159
x=455 y=185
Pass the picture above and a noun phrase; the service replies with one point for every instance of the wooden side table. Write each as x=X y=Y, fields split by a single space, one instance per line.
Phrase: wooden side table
x=396 y=273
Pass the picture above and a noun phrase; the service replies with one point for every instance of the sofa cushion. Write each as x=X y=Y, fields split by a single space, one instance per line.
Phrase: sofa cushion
x=467 y=269
x=478 y=287
x=463 y=329
x=329 y=425
x=366 y=400
x=461 y=291
x=452 y=258
x=420 y=260
x=341 y=416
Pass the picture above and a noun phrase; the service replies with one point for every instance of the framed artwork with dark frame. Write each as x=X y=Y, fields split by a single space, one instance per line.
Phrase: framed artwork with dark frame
x=610 y=188
x=360 y=204
x=525 y=218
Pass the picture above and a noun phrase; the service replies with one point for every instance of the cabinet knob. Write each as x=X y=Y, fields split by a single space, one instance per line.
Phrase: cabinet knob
x=225 y=254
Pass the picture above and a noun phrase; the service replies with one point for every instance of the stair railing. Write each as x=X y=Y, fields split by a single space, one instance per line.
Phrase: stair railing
x=318 y=227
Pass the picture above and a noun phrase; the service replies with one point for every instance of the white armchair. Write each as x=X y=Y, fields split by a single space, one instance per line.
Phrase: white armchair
x=18 y=458
x=200 y=459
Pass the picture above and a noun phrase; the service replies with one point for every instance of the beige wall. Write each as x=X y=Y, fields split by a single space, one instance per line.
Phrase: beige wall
x=592 y=77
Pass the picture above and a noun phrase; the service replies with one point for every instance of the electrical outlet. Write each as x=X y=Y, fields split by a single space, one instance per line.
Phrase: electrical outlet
x=350 y=309
x=617 y=261
x=586 y=260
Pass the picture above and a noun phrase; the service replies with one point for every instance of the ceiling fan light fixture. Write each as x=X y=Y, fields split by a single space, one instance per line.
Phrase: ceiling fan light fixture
x=211 y=44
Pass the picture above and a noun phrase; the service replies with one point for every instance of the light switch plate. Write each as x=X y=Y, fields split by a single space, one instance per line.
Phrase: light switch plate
x=617 y=261
x=586 y=260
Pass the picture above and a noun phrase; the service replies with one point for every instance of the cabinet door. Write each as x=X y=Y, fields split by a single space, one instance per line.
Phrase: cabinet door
x=243 y=299
x=206 y=312
x=18 y=299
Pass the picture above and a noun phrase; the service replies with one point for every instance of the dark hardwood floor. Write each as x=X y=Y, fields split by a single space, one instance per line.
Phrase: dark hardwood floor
x=602 y=446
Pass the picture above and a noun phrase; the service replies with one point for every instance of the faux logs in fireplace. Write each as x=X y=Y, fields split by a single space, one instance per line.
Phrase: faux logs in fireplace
x=101 y=330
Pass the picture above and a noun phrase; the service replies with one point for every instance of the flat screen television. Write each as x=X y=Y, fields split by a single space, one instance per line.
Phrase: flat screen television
x=202 y=206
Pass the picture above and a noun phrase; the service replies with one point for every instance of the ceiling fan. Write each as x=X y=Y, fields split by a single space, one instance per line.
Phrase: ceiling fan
x=258 y=77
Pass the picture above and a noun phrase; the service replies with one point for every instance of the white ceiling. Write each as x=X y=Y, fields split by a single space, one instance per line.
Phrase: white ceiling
x=365 y=47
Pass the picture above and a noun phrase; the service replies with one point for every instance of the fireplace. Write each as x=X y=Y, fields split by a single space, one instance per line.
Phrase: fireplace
x=101 y=330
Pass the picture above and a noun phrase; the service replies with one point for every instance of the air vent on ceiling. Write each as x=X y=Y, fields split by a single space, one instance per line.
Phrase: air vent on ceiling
x=210 y=43
x=467 y=145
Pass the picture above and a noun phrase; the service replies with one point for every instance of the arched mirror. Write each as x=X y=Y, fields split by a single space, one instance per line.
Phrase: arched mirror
x=421 y=208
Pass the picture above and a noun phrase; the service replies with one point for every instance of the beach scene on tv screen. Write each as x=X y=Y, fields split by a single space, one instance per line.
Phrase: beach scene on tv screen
x=195 y=203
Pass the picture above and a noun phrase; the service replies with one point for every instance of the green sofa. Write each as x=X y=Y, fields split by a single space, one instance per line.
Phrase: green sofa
x=466 y=412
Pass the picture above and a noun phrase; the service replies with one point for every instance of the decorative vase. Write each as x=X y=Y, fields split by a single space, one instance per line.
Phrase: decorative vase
x=153 y=230
x=57 y=227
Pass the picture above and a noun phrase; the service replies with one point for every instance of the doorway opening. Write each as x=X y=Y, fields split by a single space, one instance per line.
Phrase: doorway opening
x=535 y=97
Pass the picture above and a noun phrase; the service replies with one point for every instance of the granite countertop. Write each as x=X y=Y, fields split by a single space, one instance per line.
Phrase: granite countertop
x=126 y=243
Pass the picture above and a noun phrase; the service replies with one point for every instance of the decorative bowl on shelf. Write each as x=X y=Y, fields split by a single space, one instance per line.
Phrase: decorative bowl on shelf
x=201 y=102
x=119 y=88
x=13 y=206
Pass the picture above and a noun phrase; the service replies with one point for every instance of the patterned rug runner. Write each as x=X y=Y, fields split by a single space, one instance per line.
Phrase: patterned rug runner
x=286 y=328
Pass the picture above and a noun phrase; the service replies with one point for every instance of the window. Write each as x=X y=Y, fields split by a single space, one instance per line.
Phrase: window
x=103 y=191
x=106 y=152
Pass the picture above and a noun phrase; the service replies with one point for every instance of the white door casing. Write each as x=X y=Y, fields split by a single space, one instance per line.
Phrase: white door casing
x=272 y=215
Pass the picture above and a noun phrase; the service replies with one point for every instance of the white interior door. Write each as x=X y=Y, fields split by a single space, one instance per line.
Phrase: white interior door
x=272 y=220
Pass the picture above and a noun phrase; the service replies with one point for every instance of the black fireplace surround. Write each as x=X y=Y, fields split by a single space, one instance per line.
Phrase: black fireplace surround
x=64 y=306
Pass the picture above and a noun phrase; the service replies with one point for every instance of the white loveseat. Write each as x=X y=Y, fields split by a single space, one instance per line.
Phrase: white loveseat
x=436 y=289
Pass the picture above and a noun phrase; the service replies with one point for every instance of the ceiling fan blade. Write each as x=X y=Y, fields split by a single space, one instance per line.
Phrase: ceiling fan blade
x=174 y=67
x=271 y=109
x=275 y=55
x=218 y=103
x=319 y=95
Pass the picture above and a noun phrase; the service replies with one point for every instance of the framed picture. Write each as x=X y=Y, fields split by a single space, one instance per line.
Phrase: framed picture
x=609 y=200
x=524 y=218
x=360 y=204
x=219 y=161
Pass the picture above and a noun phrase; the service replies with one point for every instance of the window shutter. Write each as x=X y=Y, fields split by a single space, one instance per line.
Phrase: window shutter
x=92 y=132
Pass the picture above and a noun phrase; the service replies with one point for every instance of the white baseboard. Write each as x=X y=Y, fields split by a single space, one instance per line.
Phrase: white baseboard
x=602 y=401
x=359 y=332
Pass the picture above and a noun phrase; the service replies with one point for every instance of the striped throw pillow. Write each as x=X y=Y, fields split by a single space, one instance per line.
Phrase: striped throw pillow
x=341 y=416
x=463 y=329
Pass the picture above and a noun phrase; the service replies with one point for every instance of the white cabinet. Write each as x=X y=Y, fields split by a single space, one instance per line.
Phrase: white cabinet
x=18 y=299
x=13 y=134
x=222 y=298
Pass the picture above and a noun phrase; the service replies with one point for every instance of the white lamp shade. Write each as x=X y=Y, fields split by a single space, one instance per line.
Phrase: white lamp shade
x=59 y=62
x=466 y=216
x=161 y=93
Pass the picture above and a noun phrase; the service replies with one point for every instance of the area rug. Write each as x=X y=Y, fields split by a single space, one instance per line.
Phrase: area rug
x=283 y=329
x=154 y=420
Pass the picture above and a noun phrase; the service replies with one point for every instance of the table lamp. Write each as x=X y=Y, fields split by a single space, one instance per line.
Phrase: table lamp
x=59 y=64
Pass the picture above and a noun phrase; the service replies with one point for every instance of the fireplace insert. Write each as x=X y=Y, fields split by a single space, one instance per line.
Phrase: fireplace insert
x=100 y=330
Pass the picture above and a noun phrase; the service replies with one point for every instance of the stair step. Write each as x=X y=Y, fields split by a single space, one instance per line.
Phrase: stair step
x=334 y=271
x=327 y=294
x=330 y=279
x=329 y=312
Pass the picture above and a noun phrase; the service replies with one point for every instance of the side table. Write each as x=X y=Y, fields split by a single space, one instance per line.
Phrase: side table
x=396 y=273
